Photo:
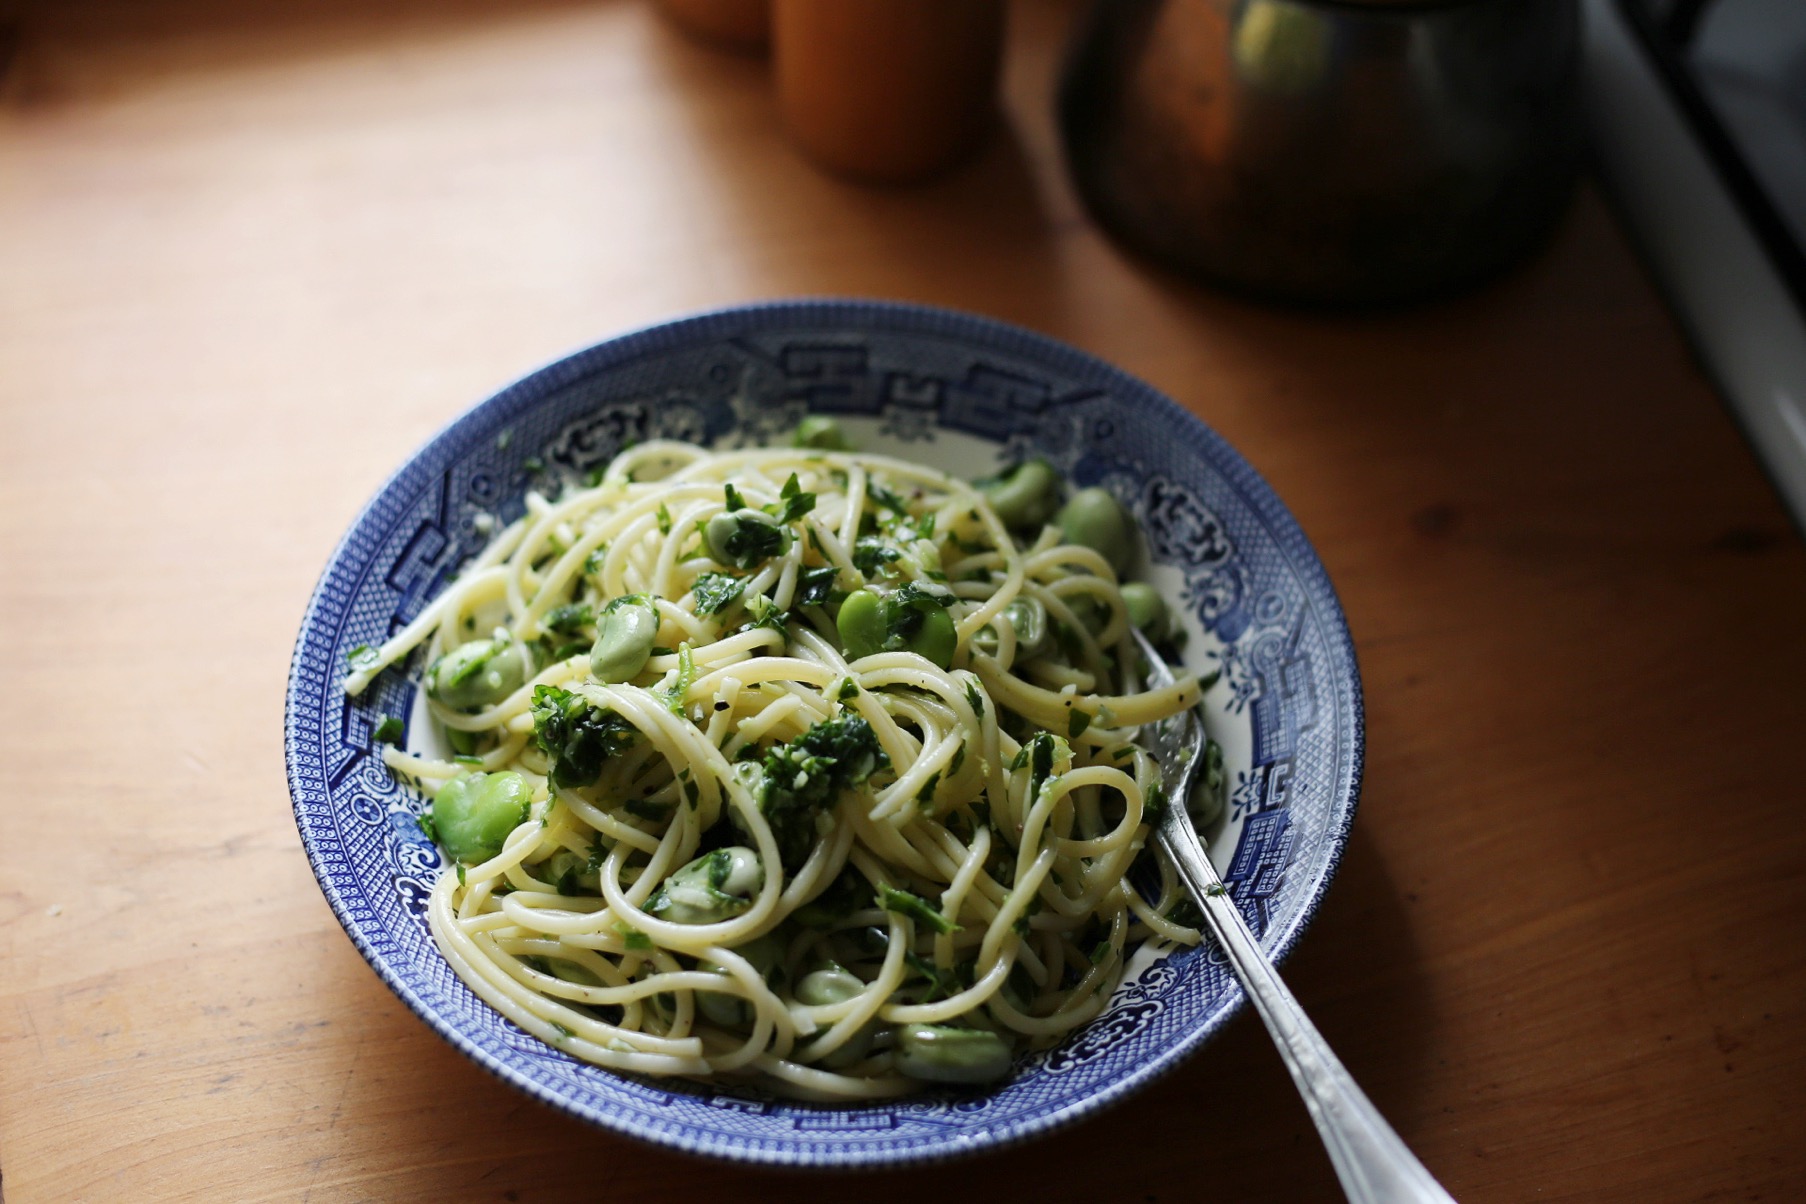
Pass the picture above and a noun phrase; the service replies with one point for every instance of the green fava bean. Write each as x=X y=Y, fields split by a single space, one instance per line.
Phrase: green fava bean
x=1026 y=496
x=1028 y=619
x=828 y=986
x=716 y=886
x=861 y=624
x=478 y=674
x=837 y=986
x=473 y=815
x=1147 y=609
x=745 y=537
x=1096 y=520
x=938 y=1054
x=937 y=638
x=626 y=631
x=822 y=433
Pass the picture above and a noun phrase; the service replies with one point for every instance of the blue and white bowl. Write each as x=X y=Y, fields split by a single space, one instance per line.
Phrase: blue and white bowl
x=959 y=392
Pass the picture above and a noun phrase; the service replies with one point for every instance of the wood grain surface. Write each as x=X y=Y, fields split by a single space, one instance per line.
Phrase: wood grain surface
x=252 y=255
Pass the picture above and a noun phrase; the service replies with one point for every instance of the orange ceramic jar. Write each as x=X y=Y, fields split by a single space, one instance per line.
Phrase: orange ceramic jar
x=887 y=90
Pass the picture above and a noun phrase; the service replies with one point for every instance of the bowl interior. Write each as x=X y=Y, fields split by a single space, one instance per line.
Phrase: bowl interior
x=964 y=394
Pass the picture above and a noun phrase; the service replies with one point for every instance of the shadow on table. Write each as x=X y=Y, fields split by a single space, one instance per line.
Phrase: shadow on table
x=57 y=53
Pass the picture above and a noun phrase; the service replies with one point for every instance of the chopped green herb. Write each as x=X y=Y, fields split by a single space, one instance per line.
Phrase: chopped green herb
x=464 y=759
x=734 y=500
x=576 y=735
x=974 y=698
x=766 y=614
x=885 y=497
x=363 y=658
x=807 y=776
x=389 y=731
x=425 y=820
x=942 y=983
x=916 y=907
x=633 y=938
x=793 y=502
x=715 y=592
x=1076 y=723
x=925 y=796
x=686 y=677
x=745 y=541
x=818 y=585
x=1186 y=912
x=568 y=619
x=664 y=519
x=871 y=553
x=646 y=808
x=849 y=690
x=533 y=464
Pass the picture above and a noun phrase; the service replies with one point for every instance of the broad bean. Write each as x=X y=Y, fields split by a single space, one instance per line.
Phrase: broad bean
x=940 y=1054
x=478 y=674
x=821 y=433
x=626 y=631
x=716 y=886
x=745 y=537
x=473 y=815
x=1096 y=520
x=1026 y=496
x=1147 y=609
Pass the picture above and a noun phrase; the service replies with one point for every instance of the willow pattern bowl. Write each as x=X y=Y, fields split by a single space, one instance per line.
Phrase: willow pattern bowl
x=964 y=394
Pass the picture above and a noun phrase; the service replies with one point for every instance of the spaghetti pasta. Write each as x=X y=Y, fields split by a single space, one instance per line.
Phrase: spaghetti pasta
x=795 y=766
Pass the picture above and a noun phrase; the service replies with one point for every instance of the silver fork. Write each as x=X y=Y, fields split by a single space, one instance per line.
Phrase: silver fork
x=1374 y=1165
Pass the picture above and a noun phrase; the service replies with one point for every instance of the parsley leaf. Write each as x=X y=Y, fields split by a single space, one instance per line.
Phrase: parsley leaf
x=568 y=619
x=916 y=907
x=686 y=677
x=871 y=553
x=808 y=775
x=885 y=497
x=793 y=502
x=715 y=592
x=817 y=585
x=577 y=736
x=389 y=731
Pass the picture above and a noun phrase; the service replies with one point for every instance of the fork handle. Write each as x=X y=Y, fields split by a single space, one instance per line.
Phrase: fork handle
x=1373 y=1163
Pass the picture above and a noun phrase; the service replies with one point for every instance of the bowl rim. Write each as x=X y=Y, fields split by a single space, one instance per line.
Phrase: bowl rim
x=891 y=317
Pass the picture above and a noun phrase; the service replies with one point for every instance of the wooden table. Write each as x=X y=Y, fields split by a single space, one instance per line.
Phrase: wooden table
x=252 y=255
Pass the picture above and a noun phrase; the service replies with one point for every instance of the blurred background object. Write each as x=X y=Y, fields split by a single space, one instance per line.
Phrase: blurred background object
x=887 y=91
x=1698 y=110
x=741 y=24
x=1329 y=153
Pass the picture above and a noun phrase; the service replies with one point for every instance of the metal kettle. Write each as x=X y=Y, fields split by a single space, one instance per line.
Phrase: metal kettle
x=1332 y=152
